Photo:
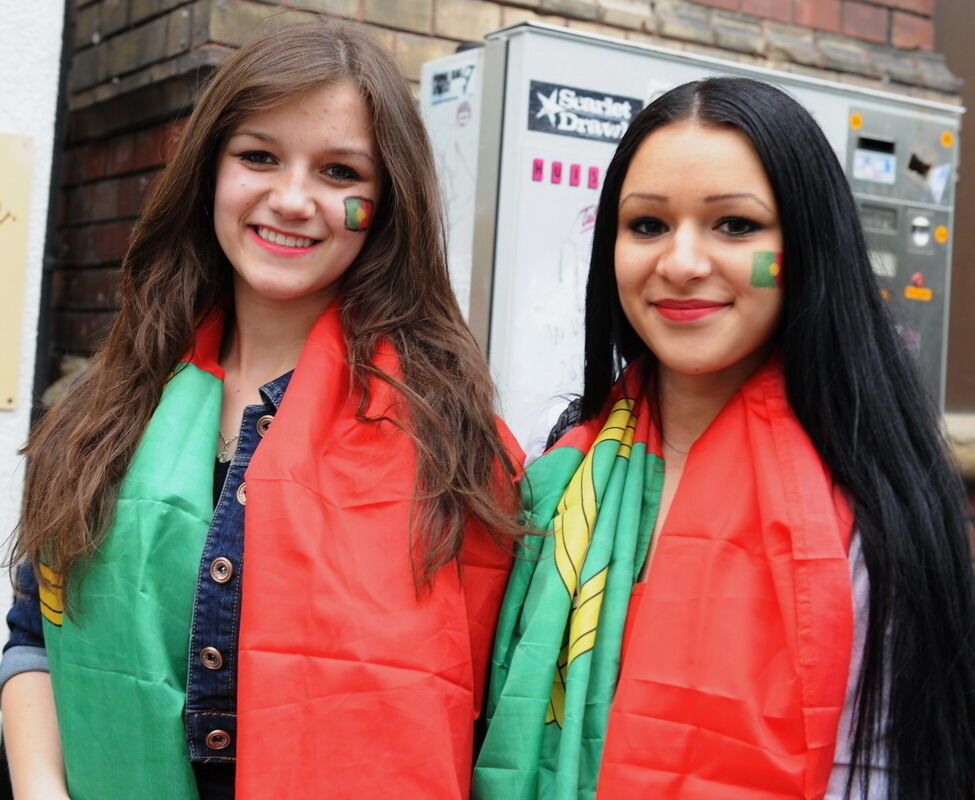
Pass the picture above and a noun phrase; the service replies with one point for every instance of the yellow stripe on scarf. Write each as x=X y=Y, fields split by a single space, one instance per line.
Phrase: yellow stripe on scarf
x=51 y=591
x=573 y=528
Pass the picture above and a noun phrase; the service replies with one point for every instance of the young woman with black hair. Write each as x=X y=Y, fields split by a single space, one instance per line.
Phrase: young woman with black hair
x=758 y=582
x=268 y=520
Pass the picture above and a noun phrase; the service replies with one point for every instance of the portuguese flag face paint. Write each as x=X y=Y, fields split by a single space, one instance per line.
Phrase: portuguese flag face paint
x=767 y=269
x=358 y=213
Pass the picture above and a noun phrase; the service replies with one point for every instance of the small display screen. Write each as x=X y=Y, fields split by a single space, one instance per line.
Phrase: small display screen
x=869 y=165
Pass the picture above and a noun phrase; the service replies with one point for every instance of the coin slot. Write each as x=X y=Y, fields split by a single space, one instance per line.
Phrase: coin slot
x=875 y=145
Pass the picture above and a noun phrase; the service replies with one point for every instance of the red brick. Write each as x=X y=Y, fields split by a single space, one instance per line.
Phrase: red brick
x=865 y=22
x=909 y=32
x=92 y=245
x=171 y=137
x=93 y=202
x=86 y=290
x=132 y=192
x=823 y=15
x=780 y=10
x=729 y=5
x=147 y=149
x=924 y=7
x=80 y=332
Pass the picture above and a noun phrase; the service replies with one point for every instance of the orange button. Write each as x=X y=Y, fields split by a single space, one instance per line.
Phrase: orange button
x=917 y=293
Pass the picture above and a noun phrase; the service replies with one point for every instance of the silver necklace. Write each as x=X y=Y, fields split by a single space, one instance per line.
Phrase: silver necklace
x=224 y=453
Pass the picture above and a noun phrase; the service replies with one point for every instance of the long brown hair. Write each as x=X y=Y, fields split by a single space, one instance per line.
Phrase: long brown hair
x=397 y=290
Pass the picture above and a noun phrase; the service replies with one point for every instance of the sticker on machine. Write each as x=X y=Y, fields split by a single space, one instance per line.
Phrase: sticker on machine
x=581 y=113
x=452 y=84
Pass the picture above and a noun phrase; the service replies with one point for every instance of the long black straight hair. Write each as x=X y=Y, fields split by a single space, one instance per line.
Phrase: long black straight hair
x=855 y=391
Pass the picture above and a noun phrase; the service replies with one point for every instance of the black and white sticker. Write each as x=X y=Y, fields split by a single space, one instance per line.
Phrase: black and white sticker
x=570 y=111
x=452 y=84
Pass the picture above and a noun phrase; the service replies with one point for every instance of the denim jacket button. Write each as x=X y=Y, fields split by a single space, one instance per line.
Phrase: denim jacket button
x=264 y=423
x=211 y=658
x=242 y=494
x=221 y=570
x=218 y=740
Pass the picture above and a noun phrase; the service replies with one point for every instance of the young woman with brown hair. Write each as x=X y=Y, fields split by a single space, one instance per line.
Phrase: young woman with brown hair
x=286 y=309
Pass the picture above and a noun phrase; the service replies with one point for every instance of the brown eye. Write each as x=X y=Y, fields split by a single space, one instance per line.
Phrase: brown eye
x=342 y=172
x=257 y=158
x=738 y=226
x=647 y=226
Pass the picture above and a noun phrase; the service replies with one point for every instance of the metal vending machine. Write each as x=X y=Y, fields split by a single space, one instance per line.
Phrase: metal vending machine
x=523 y=129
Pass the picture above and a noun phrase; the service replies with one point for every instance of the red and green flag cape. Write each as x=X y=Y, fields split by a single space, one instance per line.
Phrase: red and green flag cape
x=350 y=683
x=731 y=677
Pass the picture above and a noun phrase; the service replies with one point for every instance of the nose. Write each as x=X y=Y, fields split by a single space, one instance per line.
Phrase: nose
x=290 y=196
x=686 y=259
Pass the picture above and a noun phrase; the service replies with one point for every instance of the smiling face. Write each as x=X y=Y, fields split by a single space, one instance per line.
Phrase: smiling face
x=697 y=250
x=295 y=190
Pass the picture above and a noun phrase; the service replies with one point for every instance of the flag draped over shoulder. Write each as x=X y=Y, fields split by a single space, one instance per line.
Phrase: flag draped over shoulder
x=351 y=683
x=724 y=673
x=557 y=647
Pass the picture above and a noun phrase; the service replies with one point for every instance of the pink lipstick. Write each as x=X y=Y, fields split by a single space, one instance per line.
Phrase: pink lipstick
x=281 y=249
x=687 y=310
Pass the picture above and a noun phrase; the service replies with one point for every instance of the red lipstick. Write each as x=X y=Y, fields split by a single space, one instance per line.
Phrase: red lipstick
x=687 y=310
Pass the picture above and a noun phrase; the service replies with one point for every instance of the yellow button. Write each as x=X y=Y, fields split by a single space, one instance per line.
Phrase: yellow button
x=221 y=569
x=242 y=494
x=941 y=234
x=264 y=423
x=218 y=740
x=856 y=120
x=947 y=138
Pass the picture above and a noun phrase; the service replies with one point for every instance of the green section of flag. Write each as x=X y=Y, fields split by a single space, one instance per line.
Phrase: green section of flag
x=533 y=749
x=766 y=268
x=119 y=666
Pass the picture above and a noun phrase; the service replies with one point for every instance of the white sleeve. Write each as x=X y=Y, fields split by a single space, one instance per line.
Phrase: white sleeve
x=844 y=738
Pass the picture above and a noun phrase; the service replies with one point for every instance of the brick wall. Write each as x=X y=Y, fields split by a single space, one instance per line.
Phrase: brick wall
x=905 y=24
x=137 y=65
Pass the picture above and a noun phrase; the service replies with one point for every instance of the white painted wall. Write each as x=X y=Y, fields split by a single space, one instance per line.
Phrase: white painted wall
x=30 y=62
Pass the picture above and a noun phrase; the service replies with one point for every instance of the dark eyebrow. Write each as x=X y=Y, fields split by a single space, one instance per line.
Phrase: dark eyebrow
x=645 y=196
x=715 y=198
x=339 y=151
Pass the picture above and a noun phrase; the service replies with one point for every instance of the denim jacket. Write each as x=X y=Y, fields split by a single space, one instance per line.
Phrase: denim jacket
x=211 y=688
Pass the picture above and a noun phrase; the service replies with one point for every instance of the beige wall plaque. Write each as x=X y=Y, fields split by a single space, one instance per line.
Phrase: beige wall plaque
x=15 y=157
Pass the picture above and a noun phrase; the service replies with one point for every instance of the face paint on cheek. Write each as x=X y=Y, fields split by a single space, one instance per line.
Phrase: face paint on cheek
x=766 y=269
x=358 y=213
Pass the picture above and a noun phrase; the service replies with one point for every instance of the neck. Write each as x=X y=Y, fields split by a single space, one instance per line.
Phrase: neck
x=266 y=337
x=689 y=403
